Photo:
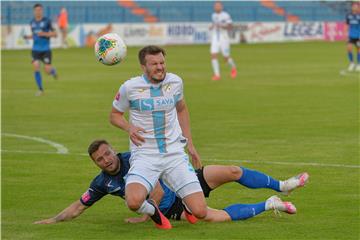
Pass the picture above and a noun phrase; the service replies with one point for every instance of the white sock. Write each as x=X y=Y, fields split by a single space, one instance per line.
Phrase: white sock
x=281 y=186
x=146 y=208
x=231 y=63
x=215 y=66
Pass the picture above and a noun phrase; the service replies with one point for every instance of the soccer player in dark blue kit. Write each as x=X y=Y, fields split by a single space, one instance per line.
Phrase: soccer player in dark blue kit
x=115 y=167
x=42 y=31
x=353 y=22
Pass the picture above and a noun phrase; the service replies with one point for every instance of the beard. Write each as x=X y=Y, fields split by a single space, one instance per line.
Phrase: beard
x=156 y=79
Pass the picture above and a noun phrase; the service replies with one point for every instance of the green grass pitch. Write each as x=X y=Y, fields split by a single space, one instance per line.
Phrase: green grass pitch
x=288 y=105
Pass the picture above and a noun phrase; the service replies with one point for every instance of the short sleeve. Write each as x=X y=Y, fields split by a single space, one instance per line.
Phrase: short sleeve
x=121 y=102
x=91 y=196
x=228 y=18
x=179 y=94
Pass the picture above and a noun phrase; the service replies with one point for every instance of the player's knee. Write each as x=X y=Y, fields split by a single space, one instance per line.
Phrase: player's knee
x=134 y=202
x=48 y=69
x=235 y=172
x=199 y=212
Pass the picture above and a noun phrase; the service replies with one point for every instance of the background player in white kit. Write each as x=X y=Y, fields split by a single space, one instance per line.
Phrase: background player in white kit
x=221 y=24
x=159 y=129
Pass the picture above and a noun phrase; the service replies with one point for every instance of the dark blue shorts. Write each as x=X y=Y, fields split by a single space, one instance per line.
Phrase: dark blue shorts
x=355 y=41
x=45 y=56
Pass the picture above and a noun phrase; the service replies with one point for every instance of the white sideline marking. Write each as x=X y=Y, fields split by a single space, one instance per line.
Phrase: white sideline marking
x=218 y=160
x=348 y=73
x=60 y=148
x=290 y=163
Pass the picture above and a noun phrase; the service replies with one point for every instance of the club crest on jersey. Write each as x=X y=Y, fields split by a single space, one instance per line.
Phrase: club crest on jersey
x=167 y=88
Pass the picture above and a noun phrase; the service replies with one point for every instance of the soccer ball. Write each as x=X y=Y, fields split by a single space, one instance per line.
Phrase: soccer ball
x=110 y=49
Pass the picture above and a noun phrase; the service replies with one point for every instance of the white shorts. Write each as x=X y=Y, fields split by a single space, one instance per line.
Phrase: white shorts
x=220 y=45
x=173 y=168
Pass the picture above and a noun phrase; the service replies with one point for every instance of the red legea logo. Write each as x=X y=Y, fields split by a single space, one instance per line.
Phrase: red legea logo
x=86 y=196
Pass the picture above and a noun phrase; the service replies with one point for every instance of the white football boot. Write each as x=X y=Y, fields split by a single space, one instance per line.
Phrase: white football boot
x=351 y=67
x=276 y=204
x=287 y=186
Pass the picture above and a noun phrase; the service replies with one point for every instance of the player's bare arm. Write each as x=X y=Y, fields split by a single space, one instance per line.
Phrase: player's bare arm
x=69 y=213
x=47 y=34
x=184 y=120
x=118 y=120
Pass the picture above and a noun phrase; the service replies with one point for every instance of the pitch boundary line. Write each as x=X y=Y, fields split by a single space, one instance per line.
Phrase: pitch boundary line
x=61 y=149
x=289 y=163
x=347 y=73
x=214 y=160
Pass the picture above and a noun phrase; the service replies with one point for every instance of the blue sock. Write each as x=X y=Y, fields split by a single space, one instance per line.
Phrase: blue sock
x=53 y=72
x=350 y=56
x=38 y=80
x=244 y=211
x=254 y=179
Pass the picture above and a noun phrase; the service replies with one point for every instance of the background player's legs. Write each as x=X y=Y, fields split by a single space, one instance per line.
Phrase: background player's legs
x=49 y=69
x=214 y=50
x=225 y=49
x=358 y=56
x=215 y=67
x=37 y=76
x=350 y=56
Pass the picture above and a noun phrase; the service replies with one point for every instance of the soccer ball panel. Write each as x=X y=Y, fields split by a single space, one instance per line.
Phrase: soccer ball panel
x=110 y=49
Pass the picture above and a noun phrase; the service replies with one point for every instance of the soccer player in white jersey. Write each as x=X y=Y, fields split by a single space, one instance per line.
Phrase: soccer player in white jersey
x=221 y=24
x=159 y=129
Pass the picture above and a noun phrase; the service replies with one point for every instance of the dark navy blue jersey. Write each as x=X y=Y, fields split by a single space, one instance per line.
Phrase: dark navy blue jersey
x=353 y=20
x=105 y=183
x=41 y=44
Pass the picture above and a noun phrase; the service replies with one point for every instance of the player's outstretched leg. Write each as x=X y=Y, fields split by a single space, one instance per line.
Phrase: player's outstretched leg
x=290 y=184
x=276 y=204
x=254 y=179
x=245 y=211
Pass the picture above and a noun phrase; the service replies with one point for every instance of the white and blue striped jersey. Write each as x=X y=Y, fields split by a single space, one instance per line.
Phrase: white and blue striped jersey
x=220 y=19
x=153 y=108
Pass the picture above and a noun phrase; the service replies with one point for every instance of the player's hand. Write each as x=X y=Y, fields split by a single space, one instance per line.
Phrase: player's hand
x=134 y=135
x=195 y=157
x=46 y=221
x=137 y=219
x=27 y=37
